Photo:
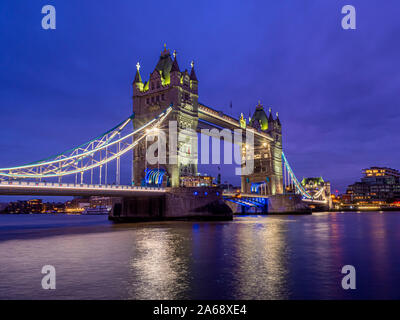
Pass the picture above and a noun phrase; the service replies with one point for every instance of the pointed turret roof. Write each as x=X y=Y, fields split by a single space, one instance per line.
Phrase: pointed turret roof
x=277 y=119
x=175 y=66
x=270 y=117
x=192 y=73
x=138 y=78
x=260 y=117
x=164 y=64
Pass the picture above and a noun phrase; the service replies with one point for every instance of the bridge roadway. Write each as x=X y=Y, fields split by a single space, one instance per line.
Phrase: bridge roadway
x=70 y=189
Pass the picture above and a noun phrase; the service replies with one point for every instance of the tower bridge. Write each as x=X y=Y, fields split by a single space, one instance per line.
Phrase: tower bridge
x=159 y=190
x=169 y=85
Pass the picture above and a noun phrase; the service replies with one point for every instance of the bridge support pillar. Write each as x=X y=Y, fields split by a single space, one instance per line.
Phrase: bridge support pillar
x=287 y=204
x=203 y=203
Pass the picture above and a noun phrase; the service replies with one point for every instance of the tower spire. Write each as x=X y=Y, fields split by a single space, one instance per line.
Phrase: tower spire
x=165 y=51
x=277 y=119
x=270 y=117
x=192 y=73
x=175 y=66
x=138 y=78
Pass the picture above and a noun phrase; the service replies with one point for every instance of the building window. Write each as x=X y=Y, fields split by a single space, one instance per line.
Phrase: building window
x=152 y=99
x=163 y=97
x=148 y=100
x=158 y=85
x=158 y=98
x=152 y=86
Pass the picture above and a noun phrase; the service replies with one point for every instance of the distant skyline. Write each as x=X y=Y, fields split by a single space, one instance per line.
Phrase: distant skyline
x=336 y=90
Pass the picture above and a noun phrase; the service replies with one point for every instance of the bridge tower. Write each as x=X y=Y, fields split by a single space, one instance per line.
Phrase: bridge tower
x=167 y=86
x=267 y=176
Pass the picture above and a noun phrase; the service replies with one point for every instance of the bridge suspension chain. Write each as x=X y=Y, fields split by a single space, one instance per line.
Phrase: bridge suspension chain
x=291 y=179
x=290 y=174
x=96 y=153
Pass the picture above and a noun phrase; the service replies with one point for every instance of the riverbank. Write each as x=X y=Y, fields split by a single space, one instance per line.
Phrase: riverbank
x=364 y=209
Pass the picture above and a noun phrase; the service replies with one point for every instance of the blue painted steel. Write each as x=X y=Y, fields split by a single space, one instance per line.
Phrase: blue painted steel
x=154 y=176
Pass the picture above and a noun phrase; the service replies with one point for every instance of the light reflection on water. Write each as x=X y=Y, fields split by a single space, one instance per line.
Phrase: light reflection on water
x=252 y=257
x=159 y=265
x=263 y=249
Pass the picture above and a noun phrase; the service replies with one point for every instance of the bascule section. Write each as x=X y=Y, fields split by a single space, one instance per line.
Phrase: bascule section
x=167 y=86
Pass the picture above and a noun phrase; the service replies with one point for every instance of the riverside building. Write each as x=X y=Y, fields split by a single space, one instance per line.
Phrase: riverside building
x=378 y=186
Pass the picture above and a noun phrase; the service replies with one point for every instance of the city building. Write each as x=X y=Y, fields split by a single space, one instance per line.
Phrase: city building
x=17 y=207
x=197 y=181
x=53 y=207
x=77 y=205
x=101 y=202
x=378 y=186
x=35 y=206
x=30 y=206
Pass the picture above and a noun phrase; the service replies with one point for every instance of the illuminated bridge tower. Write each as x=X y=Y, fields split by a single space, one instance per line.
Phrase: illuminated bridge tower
x=267 y=177
x=167 y=86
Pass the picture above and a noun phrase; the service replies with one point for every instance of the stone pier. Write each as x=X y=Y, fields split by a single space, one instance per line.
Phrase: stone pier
x=287 y=204
x=202 y=203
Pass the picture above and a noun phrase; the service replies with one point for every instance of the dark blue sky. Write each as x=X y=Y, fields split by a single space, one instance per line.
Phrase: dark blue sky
x=337 y=91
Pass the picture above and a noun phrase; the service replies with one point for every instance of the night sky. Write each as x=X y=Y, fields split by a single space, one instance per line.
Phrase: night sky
x=336 y=91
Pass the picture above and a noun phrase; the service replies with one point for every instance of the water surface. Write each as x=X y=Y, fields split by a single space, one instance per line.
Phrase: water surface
x=252 y=257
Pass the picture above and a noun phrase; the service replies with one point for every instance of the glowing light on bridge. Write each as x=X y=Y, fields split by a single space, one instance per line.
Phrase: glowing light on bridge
x=154 y=176
x=97 y=153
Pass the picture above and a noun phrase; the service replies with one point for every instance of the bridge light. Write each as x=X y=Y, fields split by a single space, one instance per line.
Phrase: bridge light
x=155 y=130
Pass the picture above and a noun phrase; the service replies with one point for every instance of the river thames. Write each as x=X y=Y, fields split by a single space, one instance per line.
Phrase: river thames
x=251 y=257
